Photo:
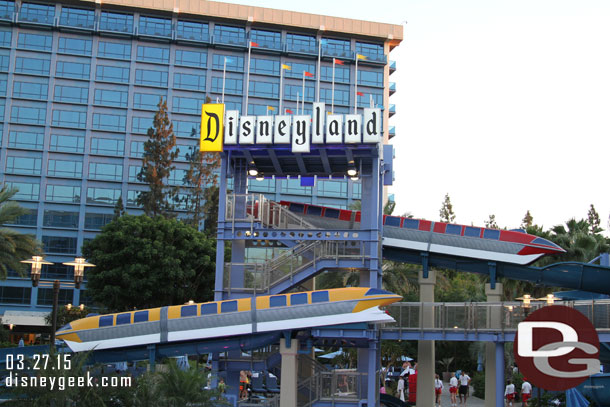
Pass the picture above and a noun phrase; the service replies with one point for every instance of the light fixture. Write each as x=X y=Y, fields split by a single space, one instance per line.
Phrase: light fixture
x=82 y=307
x=79 y=264
x=260 y=177
x=550 y=299
x=252 y=170
x=191 y=302
x=36 y=262
x=354 y=177
x=351 y=168
x=68 y=307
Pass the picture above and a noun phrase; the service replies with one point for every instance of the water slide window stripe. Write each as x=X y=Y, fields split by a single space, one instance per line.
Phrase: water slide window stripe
x=319 y=296
x=298 y=299
x=472 y=232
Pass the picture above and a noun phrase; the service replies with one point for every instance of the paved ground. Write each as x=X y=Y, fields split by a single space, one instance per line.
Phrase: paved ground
x=472 y=401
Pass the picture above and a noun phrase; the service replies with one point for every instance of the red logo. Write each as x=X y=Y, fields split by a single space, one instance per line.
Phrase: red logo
x=557 y=348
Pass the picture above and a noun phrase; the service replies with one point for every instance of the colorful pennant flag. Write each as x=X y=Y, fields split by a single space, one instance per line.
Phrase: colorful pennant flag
x=308 y=74
x=270 y=108
x=360 y=93
x=253 y=44
x=337 y=61
x=361 y=57
x=286 y=67
x=289 y=111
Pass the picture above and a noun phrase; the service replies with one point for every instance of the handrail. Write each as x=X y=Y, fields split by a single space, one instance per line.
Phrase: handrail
x=257 y=208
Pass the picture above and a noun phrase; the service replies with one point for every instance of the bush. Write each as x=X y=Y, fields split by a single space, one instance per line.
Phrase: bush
x=478 y=384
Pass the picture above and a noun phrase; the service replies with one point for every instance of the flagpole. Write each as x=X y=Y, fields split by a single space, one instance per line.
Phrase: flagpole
x=318 y=72
x=332 y=92
x=248 y=75
x=281 y=86
x=297 y=103
x=303 y=103
x=224 y=75
x=356 y=87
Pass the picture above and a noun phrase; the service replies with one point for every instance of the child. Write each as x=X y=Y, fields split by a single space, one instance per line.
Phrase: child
x=526 y=392
x=438 y=389
x=509 y=393
x=453 y=388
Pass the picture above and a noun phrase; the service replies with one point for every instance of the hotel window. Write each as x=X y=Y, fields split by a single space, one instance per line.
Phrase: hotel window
x=36 y=42
x=134 y=170
x=189 y=81
x=77 y=17
x=69 y=118
x=356 y=190
x=6 y=36
x=196 y=59
x=26 y=140
x=373 y=52
x=187 y=105
x=107 y=97
x=106 y=172
x=16 y=295
x=37 y=13
x=63 y=193
x=301 y=43
x=341 y=74
x=297 y=69
x=264 y=66
x=74 y=46
x=29 y=115
x=110 y=122
x=335 y=47
x=106 y=146
x=45 y=296
x=151 y=78
x=59 y=244
x=232 y=86
x=132 y=199
x=33 y=66
x=190 y=30
x=97 y=221
x=30 y=90
x=370 y=78
x=234 y=63
x=155 y=26
x=114 y=50
x=103 y=196
x=116 y=22
x=366 y=100
x=112 y=74
x=5 y=59
x=137 y=149
x=60 y=219
x=266 y=185
x=334 y=189
x=72 y=70
x=67 y=143
x=186 y=129
x=176 y=177
x=71 y=94
x=229 y=35
x=341 y=96
x=291 y=91
x=230 y=105
x=29 y=218
x=3 y=84
x=153 y=54
x=293 y=186
x=142 y=124
x=64 y=168
x=266 y=39
x=147 y=101
x=26 y=191
x=262 y=110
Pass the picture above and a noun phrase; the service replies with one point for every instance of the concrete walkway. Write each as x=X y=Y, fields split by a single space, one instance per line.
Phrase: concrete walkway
x=472 y=401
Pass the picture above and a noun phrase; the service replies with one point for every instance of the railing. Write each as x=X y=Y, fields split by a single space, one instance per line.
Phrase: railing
x=263 y=402
x=341 y=385
x=484 y=316
x=260 y=277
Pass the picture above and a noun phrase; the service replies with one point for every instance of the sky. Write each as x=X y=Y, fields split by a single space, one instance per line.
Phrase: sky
x=503 y=105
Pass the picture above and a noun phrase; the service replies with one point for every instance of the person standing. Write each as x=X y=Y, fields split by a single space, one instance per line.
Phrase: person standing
x=464 y=389
x=400 y=390
x=438 y=390
x=526 y=392
x=509 y=393
x=453 y=389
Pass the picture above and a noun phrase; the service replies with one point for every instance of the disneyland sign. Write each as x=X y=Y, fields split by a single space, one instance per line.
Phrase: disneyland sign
x=220 y=128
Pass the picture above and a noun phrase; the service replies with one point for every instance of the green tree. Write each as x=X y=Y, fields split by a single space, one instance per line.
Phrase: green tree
x=119 y=208
x=66 y=315
x=491 y=222
x=578 y=241
x=446 y=213
x=199 y=178
x=157 y=165
x=14 y=246
x=594 y=221
x=527 y=220
x=210 y=208
x=183 y=388
x=147 y=262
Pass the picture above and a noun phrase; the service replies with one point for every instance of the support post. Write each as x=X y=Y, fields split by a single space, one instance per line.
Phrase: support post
x=425 y=349
x=152 y=357
x=54 y=313
x=220 y=243
x=288 y=388
x=499 y=374
x=494 y=318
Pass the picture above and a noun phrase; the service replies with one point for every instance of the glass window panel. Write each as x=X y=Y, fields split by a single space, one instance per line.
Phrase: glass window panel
x=151 y=78
x=264 y=66
x=26 y=140
x=7 y=9
x=187 y=105
x=59 y=244
x=190 y=30
x=132 y=199
x=33 y=66
x=38 y=42
x=30 y=90
x=45 y=296
x=155 y=26
x=77 y=17
x=301 y=43
x=28 y=115
x=356 y=190
x=63 y=193
x=111 y=122
x=4 y=61
x=69 y=118
x=60 y=219
x=293 y=186
x=30 y=218
x=74 y=70
x=137 y=149
x=105 y=146
x=37 y=13
x=266 y=39
x=3 y=85
x=147 y=101
x=197 y=59
x=335 y=189
x=116 y=22
x=371 y=51
x=297 y=69
x=104 y=196
x=97 y=221
x=341 y=74
x=15 y=295
x=370 y=78
x=189 y=81
x=74 y=46
x=229 y=35
x=335 y=47
x=116 y=50
x=234 y=63
x=106 y=172
x=141 y=124
x=112 y=74
x=67 y=143
x=71 y=94
x=176 y=177
x=6 y=36
x=291 y=91
x=153 y=54
x=341 y=96
x=186 y=129
x=232 y=86
x=27 y=191
x=265 y=89
x=107 y=97
x=134 y=170
x=65 y=168
x=261 y=110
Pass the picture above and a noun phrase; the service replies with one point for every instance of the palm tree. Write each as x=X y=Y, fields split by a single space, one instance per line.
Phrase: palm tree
x=14 y=246
x=578 y=241
x=182 y=388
